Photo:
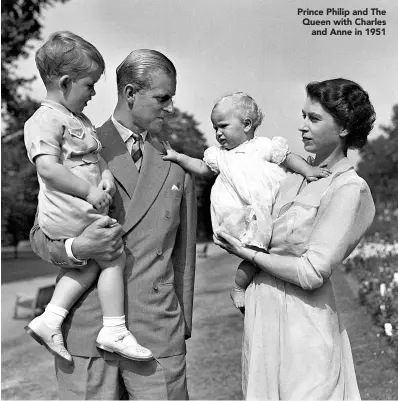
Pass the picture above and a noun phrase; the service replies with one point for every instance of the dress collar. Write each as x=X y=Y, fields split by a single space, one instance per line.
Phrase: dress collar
x=126 y=133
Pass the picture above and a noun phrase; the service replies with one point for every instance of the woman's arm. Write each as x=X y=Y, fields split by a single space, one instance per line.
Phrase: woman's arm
x=336 y=233
x=299 y=165
x=190 y=164
x=62 y=179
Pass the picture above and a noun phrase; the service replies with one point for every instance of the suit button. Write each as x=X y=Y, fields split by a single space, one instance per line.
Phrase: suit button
x=112 y=208
x=159 y=251
x=168 y=214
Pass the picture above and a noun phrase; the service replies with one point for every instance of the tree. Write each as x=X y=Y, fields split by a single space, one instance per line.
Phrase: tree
x=20 y=26
x=379 y=164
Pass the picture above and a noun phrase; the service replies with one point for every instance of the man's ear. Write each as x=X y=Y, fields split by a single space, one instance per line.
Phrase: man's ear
x=129 y=93
x=248 y=124
x=64 y=82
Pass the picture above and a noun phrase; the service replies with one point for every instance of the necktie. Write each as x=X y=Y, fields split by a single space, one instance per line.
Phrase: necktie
x=136 y=152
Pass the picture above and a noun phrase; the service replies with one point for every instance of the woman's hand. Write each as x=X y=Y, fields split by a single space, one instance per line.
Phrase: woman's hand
x=232 y=245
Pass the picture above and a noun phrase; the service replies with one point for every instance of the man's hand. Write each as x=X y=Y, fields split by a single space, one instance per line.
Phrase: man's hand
x=98 y=198
x=171 y=155
x=101 y=240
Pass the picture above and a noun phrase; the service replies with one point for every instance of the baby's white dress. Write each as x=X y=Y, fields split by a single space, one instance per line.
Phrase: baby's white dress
x=245 y=189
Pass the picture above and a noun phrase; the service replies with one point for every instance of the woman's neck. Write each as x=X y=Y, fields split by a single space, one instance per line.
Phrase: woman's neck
x=330 y=158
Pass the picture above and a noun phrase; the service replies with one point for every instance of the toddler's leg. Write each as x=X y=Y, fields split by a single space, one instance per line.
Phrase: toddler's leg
x=46 y=328
x=244 y=275
x=114 y=335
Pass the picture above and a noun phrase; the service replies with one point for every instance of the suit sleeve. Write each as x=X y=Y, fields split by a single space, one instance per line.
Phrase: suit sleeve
x=52 y=251
x=184 y=252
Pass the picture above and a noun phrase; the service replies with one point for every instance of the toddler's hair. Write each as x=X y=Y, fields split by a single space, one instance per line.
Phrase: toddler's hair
x=244 y=107
x=65 y=53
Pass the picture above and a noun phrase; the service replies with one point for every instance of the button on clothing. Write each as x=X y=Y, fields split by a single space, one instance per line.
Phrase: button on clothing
x=54 y=130
x=294 y=344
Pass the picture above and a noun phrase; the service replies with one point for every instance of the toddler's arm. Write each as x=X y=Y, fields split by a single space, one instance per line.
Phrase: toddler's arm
x=299 y=165
x=190 y=164
x=60 y=178
x=107 y=181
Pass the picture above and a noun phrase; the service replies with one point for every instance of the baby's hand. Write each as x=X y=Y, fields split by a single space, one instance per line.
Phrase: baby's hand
x=315 y=172
x=171 y=155
x=98 y=198
x=108 y=186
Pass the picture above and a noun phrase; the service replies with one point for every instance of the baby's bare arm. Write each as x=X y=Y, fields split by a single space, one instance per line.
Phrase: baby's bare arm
x=190 y=164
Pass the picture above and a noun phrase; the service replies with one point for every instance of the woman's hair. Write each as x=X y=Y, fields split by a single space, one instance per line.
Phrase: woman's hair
x=349 y=105
x=65 y=53
x=137 y=69
x=244 y=106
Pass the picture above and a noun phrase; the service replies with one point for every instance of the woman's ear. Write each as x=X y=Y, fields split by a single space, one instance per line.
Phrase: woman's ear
x=247 y=124
x=343 y=133
x=129 y=92
x=64 y=82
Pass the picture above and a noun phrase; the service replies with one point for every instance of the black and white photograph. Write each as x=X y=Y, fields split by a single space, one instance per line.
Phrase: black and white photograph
x=199 y=200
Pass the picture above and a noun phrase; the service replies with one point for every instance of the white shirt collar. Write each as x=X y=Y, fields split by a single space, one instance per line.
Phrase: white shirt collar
x=126 y=133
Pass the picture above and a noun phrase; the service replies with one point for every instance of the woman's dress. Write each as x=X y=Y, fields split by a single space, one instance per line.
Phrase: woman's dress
x=295 y=345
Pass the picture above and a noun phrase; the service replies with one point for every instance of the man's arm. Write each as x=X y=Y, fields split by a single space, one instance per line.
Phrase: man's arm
x=101 y=240
x=184 y=252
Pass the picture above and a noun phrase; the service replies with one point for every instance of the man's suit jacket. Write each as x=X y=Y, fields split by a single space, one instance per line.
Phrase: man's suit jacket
x=157 y=209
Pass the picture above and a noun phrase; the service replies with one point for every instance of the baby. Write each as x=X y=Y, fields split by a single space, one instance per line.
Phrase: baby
x=248 y=169
x=76 y=188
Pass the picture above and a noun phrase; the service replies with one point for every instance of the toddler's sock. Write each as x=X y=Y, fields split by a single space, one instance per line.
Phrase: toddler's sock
x=114 y=325
x=54 y=316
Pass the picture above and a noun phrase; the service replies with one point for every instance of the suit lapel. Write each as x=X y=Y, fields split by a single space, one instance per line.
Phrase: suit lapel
x=120 y=162
x=153 y=173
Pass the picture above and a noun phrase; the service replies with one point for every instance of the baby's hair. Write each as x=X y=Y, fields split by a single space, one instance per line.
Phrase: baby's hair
x=65 y=53
x=244 y=107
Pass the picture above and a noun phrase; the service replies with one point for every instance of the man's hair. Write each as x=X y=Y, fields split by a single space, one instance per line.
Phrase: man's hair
x=137 y=69
x=244 y=107
x=65 y=53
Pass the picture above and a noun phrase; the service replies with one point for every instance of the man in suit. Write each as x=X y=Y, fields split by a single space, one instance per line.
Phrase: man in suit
x=155 y=207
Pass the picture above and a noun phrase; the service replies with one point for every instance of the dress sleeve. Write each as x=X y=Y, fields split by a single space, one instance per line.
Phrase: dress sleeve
x=279 y=149
x=43 y=136
x=210 y=157
x=338 y=229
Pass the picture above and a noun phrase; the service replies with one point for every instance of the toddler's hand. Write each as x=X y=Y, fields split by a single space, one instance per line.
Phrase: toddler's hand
x=316 y=172
x=171 y=155
x=98 y=198
x=108 y=186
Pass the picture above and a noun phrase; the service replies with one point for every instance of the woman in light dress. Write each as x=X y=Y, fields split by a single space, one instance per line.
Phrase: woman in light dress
x=294 y=343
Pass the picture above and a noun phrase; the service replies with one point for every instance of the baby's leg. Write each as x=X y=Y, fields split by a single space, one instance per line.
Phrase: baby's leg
x=244 y=275
x=114 y=335
x=46 y=328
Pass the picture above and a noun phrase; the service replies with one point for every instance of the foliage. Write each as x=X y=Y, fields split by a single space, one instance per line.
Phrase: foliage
x=20 y=23
x=379 y=165
x=375 y=264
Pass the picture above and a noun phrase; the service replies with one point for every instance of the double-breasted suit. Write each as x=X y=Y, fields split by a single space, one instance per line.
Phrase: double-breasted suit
x=157 y=209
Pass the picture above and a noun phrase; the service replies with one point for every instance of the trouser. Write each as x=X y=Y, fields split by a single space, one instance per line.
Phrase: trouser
x=99 y=379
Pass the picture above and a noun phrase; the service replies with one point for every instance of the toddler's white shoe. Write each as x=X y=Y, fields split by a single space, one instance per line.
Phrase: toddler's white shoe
x=50 y=338
x=123 y=344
